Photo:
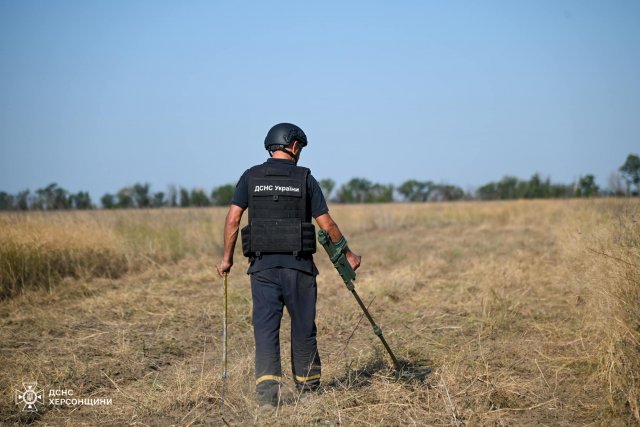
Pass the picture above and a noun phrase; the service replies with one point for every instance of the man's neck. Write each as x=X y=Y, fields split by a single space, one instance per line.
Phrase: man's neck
x=283 y=156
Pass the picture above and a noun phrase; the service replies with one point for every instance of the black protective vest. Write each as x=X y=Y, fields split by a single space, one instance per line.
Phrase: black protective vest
x=279 y=212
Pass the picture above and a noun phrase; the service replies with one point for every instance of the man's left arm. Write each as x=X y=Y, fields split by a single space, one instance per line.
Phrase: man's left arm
x=320 y=212
x=231 y=227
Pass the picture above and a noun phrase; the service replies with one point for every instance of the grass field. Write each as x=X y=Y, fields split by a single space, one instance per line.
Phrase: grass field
x=528 y=312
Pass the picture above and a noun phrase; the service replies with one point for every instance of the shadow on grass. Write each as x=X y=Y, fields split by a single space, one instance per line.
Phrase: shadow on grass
x=413 y=372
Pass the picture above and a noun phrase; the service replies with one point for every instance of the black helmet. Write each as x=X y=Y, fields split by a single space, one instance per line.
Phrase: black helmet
x=284 y=134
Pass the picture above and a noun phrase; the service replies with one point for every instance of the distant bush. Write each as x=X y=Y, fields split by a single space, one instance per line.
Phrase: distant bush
x=361 y=190
x=222 y=195
x=510 y=187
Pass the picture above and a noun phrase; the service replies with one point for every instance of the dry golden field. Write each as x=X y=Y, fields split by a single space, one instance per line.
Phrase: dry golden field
x=528 y=312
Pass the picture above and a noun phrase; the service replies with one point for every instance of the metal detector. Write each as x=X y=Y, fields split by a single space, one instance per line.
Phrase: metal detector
x=405 y=370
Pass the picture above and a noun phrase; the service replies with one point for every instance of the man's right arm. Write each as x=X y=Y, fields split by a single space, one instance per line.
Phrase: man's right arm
x=231 y=227
x=239 y=204
x=327 y=223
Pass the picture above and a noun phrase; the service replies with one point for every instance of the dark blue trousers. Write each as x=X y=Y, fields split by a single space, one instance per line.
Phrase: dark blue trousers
x=272 y=290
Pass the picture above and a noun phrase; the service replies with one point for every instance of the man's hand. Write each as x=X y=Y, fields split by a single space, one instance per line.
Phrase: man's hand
x=224 y=267
x=353 y=259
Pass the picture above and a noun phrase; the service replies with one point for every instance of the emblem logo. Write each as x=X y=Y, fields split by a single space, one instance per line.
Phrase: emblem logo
x=29 y=396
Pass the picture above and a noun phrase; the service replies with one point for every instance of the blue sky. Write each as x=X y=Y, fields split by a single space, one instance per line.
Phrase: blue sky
x=99 y=95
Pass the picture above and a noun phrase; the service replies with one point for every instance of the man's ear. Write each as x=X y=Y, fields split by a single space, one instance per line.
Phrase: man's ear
x=296 y=148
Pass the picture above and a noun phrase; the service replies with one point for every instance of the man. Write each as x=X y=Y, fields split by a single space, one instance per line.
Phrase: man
x=279 y=242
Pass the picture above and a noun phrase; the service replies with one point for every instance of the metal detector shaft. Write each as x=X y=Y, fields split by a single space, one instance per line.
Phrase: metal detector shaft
x=337 y=257
x=376 y=328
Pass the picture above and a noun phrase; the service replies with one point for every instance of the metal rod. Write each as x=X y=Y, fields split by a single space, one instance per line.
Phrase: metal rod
x=335 y=250
x=376 y=328
x=224 y=341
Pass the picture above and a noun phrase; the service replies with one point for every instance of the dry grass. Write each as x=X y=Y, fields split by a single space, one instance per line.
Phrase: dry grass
x=40 y=249
x=528 y=313
x=613 y=272
x=36 y=253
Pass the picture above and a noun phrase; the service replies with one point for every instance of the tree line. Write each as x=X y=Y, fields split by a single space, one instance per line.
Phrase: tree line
x=139 y=195
x=626 y=182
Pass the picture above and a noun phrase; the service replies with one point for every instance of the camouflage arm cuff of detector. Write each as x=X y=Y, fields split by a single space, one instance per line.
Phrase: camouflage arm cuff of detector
x=340 y=248
x=336 y=255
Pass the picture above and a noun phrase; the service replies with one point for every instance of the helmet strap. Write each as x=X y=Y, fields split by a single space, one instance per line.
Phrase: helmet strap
x=292 y=154
x=284 y=149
